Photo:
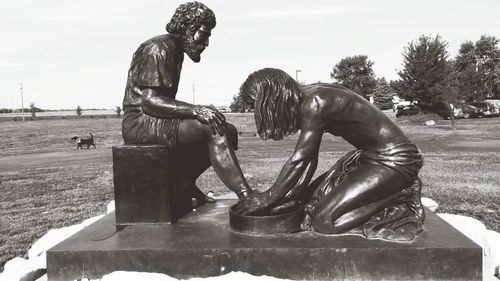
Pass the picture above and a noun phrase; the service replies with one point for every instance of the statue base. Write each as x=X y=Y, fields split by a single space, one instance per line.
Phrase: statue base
x=202 y=244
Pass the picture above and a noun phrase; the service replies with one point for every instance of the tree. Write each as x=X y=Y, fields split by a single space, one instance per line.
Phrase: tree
x=452 y=93
x=488 y=66
x=118 y=111
x=78 y=110
x=466 y=74
x=477 y=69
x=5 y=110
x=33 y=109
x=238 y=104
x=382 y=94
x=425 y=72
x=355 y=73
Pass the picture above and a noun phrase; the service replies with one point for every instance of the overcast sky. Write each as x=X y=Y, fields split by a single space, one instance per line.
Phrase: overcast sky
x=69 y=53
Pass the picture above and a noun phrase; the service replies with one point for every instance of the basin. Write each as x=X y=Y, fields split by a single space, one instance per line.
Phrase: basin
x=284 y=222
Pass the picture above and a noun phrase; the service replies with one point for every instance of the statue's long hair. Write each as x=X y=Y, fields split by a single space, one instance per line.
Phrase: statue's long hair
x=276 y=98
x=190 y=16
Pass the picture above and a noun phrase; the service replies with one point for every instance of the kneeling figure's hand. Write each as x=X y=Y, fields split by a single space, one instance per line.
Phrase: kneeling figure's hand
x=251 y=204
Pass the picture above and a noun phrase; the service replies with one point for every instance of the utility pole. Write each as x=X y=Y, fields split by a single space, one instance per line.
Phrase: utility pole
x=22 y=99
x=193 y=92
x=297 y=75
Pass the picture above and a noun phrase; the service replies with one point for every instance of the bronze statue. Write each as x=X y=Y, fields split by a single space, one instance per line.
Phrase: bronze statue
x=374 y=188
x=198 y=134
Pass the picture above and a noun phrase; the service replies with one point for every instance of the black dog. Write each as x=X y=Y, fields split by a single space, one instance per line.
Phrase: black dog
x=80 y=142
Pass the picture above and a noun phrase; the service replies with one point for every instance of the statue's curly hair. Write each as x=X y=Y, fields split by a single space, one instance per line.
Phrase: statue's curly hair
x=276 y=98
x=190 y=16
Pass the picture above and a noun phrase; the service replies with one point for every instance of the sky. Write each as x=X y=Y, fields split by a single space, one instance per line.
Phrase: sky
x=70 y=53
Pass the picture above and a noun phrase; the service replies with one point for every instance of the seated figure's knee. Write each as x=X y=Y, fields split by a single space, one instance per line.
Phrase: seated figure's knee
x=192 y=131
x=232 y=135
x=205 y=131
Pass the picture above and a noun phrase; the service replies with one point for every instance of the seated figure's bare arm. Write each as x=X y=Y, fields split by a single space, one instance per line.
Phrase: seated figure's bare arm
x=161 y=106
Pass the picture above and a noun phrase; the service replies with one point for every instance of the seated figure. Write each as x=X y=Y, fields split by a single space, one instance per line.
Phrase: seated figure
x=198 y=136
x=374 y=189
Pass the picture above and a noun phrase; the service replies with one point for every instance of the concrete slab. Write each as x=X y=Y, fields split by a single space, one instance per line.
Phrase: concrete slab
x=202 y=244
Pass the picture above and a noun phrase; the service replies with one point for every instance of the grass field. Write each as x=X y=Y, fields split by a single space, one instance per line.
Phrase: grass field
x=46 y=183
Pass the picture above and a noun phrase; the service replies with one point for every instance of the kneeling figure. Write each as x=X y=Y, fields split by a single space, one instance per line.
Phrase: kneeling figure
x=374 y=189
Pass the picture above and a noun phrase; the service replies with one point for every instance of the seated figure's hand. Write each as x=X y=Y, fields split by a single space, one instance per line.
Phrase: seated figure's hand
x=211 y=116
x=252 y=204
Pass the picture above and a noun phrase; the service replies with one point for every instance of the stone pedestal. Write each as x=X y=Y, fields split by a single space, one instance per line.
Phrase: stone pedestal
x=201 y=244
x=148 y=189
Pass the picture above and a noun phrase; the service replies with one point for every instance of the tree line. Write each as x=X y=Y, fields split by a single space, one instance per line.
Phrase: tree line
x=33 y=110
x=428 y=74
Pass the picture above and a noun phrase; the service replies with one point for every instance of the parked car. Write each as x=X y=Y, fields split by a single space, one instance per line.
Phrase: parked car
x=494 y=104
x=407 y=110
x=479 y=109
x=494 y=111
x=470 y=111
x=400 y=104
x=457 y=111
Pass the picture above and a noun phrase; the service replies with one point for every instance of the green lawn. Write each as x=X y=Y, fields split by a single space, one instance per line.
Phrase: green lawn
x=460 y=171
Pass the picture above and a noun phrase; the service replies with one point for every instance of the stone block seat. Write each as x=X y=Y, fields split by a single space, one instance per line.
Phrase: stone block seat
x=148 y=189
